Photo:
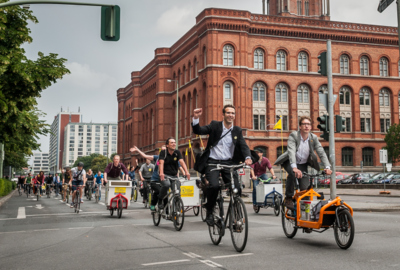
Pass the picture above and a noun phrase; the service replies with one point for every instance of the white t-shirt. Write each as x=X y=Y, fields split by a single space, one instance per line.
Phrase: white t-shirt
x=75 y=172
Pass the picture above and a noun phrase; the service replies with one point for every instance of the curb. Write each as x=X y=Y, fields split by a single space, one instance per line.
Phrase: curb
x=6 y=198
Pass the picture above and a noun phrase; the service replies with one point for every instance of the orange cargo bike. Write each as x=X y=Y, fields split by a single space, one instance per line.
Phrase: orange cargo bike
x=313 y=213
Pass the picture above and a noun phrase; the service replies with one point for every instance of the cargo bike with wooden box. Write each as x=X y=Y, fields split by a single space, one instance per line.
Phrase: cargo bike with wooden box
x=313 y=213
x=190 y=195
x=117 y=194
x=269 y=194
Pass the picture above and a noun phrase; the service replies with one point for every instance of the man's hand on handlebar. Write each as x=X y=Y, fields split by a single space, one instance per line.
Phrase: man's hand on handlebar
x=328 y=171
x=188 y=176
x=162 y=177
x=297 y=173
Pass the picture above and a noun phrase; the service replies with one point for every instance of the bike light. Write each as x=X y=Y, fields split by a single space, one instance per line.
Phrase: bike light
x=235 y=190
x=177 y=191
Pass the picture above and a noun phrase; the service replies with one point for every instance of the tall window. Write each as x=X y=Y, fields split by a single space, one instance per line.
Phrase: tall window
x=303 y=94
x=347 y=156
x=228 y=55
x=259 y=121
x=365 y=125
x=281 y=60
x=281 y=92
x=383 y=67
x=367 y=156
x=365 y=97
x=384 y=97
x=204 y=57
x=307 y=8
x=195 y=68
x=259 y=106
x=303 y=62
x=259 y=92
x=344 y=96
x=228 y=93
x=385 y=124
x=299 y=11
x=344 y=64
x=348 y=124
x=364 y=66
x=184 y=75
x=190 y=71
x=259 y=59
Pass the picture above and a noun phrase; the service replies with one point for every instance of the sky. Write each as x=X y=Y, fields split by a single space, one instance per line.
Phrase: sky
x=98 y=68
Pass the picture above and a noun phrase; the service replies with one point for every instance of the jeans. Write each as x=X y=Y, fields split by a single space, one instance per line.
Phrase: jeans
x=255 y=183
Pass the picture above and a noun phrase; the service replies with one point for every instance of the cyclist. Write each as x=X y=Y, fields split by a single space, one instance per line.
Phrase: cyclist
x=89 y=181
x=225 y=145
x=113 y=170
x=56 y=181
x=21 y=181
x=78 y=180
x=27 y=183
x=131 y=174
x=99 y=181
x=66 y=182
x=39 y=180
x=49 y=181
x=145 y=174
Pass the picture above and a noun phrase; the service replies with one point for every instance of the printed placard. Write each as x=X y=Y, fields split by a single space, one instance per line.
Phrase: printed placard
x=187 y=191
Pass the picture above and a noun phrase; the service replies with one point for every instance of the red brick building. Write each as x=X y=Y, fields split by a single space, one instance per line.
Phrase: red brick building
x=266 y=65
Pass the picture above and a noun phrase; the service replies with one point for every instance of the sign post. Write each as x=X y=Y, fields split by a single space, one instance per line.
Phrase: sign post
x=383 y=158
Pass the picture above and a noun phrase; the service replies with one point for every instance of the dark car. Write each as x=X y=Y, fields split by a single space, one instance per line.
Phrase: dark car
x=358 y=177
x=389 y=178
x=395 y=179
x=375 y=177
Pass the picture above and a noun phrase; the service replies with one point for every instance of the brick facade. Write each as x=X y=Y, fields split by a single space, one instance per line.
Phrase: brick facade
x=146 y=106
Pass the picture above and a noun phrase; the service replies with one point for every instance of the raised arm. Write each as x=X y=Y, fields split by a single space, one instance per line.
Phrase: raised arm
x=197 y=129
x=135 y=149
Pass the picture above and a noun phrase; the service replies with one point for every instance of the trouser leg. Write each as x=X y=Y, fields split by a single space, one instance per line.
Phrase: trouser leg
x=255 y=183
x=156 y=191
x=291 y=178
x=165 y=185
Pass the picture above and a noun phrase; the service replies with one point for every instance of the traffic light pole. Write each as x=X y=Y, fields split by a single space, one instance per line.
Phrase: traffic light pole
x=331 y=102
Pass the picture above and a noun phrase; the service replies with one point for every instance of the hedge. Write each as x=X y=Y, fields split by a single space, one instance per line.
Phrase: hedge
x=6 y=186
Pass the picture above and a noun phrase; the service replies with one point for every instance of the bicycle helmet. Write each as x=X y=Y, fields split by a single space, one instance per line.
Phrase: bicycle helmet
x=80 y=164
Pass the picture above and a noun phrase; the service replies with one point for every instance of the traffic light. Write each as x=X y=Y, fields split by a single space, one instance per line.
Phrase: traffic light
x=322 y=64
x=340 y=124
x=324 y=126
x=110 y=23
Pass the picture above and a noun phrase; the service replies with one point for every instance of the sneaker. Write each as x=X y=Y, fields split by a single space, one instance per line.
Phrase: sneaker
x=81 y=201
x=160 y=206
x=209 y=218
x=72 y=205
x=289 y=203
x=152 y=208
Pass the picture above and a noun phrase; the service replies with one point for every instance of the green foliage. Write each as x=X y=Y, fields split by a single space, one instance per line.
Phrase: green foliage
x=392 y=140
x=87 y=161
x=22 y=81
x=6 y=186
x=99 y=163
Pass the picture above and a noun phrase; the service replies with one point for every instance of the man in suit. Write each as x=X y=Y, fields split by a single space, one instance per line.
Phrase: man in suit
x=299 y=155
x=226 y=146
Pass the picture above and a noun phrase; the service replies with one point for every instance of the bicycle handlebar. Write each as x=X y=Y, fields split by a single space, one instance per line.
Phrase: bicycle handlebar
x=230 y=167
x=314 y=175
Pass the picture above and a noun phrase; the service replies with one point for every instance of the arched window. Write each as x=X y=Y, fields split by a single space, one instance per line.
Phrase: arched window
x=179 y=78
x=184 y=75
x=299 y=6
x=190 y=71
x=259 y=59
x=347 y=156
x=259 y=106
x=344 y=64
x=383 y=67
x=303 y=94
x=281 y=92
x=367 y=156
x=195 y=68
x=228 y=55
x=344 y=96
x=204 y=57
x=384 y=97
x=365 y=97
x=303 y=62
x=228 y=93
x=281 y=60
x=259 y=92
x=364 y=66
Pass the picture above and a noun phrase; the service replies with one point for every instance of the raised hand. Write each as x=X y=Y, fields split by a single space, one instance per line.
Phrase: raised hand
x=133 y=149
x=197 y=113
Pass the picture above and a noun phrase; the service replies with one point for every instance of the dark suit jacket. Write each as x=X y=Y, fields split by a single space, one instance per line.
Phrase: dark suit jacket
x=214 y=130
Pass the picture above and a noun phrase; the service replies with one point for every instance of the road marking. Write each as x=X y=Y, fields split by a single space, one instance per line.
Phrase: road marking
x=156 y=263
x=12 y=232
x=39 y=206
x=21 y=212
x=192 y=255
x=61 y=201
x=211 y=263
x=112 y=226
x=77 y=228
x=102 y=203
x=234 y=255
x=46 y=230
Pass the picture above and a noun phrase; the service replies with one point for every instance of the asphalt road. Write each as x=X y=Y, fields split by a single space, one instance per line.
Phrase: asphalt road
x=49 y=235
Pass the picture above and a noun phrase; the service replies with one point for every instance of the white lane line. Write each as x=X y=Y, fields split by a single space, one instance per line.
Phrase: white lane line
x=211 y=263
x=12 y=232
x=192 y=255
x=234 y=255
x=77 y=228
x=102 y=203
x=112 y=226
x=46 y=230
x=156 y=263
x=21 y=212
x=61 y=201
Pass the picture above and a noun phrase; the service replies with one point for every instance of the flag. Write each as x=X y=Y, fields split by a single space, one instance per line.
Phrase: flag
x=190 y=146
x=186 y=152
x=159 y=150
x=278 y=124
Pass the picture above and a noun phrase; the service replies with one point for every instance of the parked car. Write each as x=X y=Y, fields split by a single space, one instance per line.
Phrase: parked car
x=338 y=178
x=384 y=178
x=358 y=177
x=347 y=180
x=388 y=179
x=14 y=179
x=395 y=179
x=375 y=177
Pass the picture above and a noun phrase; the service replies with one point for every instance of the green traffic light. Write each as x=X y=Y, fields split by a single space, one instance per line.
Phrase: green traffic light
x=324 y=126
x=340 y=124
x=110 y=23
x=323 y=67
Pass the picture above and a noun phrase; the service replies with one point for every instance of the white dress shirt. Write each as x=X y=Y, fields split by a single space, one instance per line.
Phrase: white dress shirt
x=303 y=152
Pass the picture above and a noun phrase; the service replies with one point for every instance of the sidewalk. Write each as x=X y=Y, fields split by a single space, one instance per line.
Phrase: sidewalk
x=357 y=206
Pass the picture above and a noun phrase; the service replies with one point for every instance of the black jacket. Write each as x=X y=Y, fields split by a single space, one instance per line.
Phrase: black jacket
x=214 y=130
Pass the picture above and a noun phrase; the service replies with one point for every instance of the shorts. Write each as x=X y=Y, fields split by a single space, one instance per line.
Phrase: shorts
x=76 y=183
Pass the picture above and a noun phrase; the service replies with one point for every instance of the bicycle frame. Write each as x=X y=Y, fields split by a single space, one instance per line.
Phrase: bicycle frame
x=170 y=195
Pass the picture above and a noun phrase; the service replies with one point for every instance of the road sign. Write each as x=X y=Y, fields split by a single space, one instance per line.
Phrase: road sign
x=383 y=156
x=323 y=98
x=383 y=4
x=389 y=167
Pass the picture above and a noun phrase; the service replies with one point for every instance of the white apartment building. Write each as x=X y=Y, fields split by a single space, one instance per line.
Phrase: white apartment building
x=40 y=163
x=84 y=139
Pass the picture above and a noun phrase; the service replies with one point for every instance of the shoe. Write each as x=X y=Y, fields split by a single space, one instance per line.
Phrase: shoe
x=81 y=201
x=307 y=230
x=209 y=218
x=160 y=206
x=72 y=205
x=144 y=202
x=289 y=203
x=152 y=208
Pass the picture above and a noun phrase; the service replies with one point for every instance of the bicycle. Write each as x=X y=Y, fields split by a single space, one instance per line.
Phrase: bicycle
x=174 y=209
x=271 y=195
x=89 y=190
x=19 y=189
x=77 y=200
x=28 y=190
x=37 y=189
x=48 y=190
x=66 y=192
x=146 y=186
x=97 y=192
x=236 y=213
x=134 y=193
x=319 y=216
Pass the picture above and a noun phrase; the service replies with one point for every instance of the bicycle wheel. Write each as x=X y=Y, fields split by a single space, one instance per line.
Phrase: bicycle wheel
x=288 y=225
x=135 y=194
x=238 y=224
x=37 y=195
x=149 y=200
x=119 y=210
x=96 y=196
x=196 y=210
x=256 y=209
x=217 y=231
x=203 y=208
x=90 y=194
x=178 y=213
x=67 y=196
x=156 y=217
x=277 y=203
x=344 y=229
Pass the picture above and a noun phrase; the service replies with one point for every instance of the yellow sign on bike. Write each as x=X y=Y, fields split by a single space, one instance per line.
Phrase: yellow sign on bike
x=187 y=191
x=120 y=190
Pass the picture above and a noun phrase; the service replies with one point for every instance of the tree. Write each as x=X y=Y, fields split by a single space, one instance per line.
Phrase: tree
x=99 y=163
x=87 y=161
x=21 y=81
x=392 y=140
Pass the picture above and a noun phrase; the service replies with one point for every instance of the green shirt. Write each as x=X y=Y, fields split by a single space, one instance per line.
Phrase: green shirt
x=28 y=180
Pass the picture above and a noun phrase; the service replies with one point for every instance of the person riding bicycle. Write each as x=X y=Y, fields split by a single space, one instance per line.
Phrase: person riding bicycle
x=27 y=183
x=113 y=170
x=226 y=146
x=259 y=170
x=98 y=182
x=89 y=181
x=78 y=180
x=21 y=181
x=56 y=182
x=169 y=167
x=39 y=180
x=145 y=173
x=66 y=182
x=132 y=175
x=49 y=182
x=299 y=155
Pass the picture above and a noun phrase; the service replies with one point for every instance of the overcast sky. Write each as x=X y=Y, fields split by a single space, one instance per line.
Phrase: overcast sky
x=99 y=68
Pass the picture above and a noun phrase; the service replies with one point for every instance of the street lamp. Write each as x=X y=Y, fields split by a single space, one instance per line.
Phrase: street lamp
x=177 y=110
